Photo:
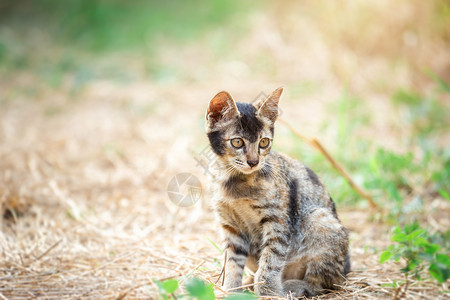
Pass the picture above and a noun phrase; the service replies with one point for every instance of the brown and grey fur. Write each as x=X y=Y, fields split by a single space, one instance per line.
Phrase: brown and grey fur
x=277 y=217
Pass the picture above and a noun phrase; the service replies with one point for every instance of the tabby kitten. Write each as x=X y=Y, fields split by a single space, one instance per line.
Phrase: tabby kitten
x=276 y=216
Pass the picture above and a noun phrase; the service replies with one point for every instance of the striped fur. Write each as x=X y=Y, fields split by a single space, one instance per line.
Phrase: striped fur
x=276 y=217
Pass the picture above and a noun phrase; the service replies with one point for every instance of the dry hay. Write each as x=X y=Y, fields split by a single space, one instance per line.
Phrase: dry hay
x=86 y=214
x=83 y=174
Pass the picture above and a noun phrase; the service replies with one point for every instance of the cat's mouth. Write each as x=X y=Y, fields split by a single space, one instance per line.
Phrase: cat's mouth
x=249 y=167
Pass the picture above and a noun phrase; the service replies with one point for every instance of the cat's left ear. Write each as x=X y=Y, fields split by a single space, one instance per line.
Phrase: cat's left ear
x=268 y=107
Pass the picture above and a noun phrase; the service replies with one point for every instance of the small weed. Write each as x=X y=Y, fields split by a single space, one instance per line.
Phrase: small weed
x=196 y=289
x=167 y=288
x=415 y=248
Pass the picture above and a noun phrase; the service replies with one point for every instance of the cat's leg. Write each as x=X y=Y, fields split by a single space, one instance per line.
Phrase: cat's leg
x=236 y=253
x=272 y=258
x=324 y=259
x=248 y=281
x=252 y=266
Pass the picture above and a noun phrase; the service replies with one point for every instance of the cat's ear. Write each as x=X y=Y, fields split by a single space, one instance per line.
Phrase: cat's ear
x=221 y=108
x=268 y=107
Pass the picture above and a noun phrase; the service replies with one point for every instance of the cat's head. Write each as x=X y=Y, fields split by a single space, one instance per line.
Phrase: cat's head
x=241 y=134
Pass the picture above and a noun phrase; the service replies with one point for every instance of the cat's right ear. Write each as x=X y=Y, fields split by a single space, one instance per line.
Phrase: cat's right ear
x=221 y=108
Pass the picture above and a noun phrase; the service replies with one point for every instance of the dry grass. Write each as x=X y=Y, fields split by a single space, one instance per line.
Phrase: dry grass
x=83 y=175
x=92 y=220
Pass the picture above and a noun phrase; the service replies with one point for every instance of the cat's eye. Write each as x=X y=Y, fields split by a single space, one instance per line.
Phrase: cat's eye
x=237 y=143
x=264 y=142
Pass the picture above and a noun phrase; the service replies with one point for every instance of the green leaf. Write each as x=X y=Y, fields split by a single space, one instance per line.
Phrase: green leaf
x=415 y=234
x=170 y=286
x=385 y=256
x=393 y=192
x=399 y=237
x=396 y=230
x=445 y=194
x=241 y=296
x=162 y=291
x=412 y=265
x=441 y=268
x=443 y=259
x=396 y=257
x=431 y=248
x=420 y=241
x=426 y=256
x=198 y=289
x=437 y=273
x=411 y=227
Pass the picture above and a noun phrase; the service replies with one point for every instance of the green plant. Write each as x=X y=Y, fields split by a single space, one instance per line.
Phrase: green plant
x=196 y=289
x=167 y=288
x=415 y=248
x=393 y=176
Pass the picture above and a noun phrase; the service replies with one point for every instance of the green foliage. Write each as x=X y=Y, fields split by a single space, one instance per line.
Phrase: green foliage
x=441 y=178
x=390 y=169
x=415 y=247
x=196 y=289
x=166 y=288
x=424 y=113
x=429 y=118
x=241 y=296
x=115 y=24
x=444 y=194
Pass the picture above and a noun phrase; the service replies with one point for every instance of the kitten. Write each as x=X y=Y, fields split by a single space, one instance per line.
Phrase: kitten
x=276 y=216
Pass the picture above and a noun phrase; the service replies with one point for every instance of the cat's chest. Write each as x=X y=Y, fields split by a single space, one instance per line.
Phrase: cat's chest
x=245 y=209
x=245 y=203
x=243 y=214
x=256 y=188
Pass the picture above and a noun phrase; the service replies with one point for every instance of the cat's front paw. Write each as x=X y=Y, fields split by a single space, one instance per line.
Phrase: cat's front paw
x=265 y=290
x=270 y=287
x=297 y=288
x=294 y=287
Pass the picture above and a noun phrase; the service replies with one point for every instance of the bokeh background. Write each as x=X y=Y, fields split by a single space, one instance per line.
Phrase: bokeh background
x=102 y=103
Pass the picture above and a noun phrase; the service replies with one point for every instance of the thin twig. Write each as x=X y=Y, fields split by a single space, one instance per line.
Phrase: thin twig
x=47 y=251
x=246 y=285
x=223 y=269
x=318 y=146
x=405 y=287
x=216 y=286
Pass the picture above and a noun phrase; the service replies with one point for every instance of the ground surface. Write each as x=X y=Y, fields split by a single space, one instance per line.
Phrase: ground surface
x=86 y=155
x=94 y=218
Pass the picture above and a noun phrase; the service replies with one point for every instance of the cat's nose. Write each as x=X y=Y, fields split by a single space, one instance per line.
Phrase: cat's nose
x=252 y=163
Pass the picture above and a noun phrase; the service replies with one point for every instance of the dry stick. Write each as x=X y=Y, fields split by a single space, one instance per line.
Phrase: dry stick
x=239 y=287
x=246 y=285
x=216 y=286
x=405 y=288
x=222 y=273
x=47 y=251
x=318 y=146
